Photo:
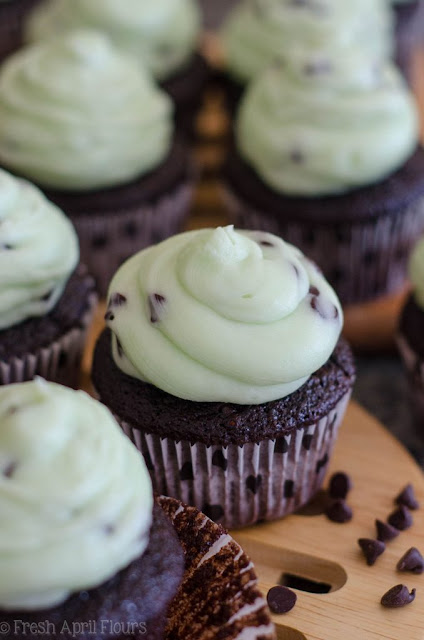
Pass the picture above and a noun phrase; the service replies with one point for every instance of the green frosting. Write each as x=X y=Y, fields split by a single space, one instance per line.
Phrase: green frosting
x=258 y=32
x=38 y=251
x=416 y=272
x=327 y=127
x=222 y=315
x=76 y=113
x=75 y=496
x=161 y=34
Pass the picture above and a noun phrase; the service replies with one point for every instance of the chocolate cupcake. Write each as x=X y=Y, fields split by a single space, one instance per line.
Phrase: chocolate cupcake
x=163 y=36
x=256 y=34
x=410 y=337
x=85 y=552
x=223 y=364
x=326 y=156
x=46 y=299
x=12 y=16
x=79 y=118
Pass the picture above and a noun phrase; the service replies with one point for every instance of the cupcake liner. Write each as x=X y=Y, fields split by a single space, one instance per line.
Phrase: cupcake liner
x=240 y=485
x=362 y=260
x=107 y=239
x=414 y=366
x=58 y=362
x=12 y=14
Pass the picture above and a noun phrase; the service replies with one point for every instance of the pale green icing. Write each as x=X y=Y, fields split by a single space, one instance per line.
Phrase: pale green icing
x=328 y=127
x=76 y=113
x=161 y=34
x=258 y=32
x=416 y=272
x=38 y=251
x=75 y=495
x=222 y=315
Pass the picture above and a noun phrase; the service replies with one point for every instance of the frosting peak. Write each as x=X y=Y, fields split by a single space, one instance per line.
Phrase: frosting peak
x=75 y=495
x=38 y=251
x=222 y=315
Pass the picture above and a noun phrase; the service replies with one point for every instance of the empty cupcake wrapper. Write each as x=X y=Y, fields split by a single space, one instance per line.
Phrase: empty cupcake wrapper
x=414 y=366
x=108 y=239
x=240 y=485
x=362 y=260
x=58 y=362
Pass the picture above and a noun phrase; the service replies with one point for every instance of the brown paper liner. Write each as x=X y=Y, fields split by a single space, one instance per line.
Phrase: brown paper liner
x=107 y=239
x=240 y=485
x=414 y=366
x=362 y=260
x=58 y=362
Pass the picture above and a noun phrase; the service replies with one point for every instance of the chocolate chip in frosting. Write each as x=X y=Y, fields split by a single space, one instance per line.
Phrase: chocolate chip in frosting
x=156 y=306
x=314 y=290
x=109 y=316
x=6 y=247
x=327 y=311
x=109 y=529
x=318 y=67
x=297 y=156
x=9 y=469
x=117 y=300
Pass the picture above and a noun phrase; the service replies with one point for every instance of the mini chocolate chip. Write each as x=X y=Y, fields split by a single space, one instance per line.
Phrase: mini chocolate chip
x=318 y=67
x=109 y=316
x=397 y=596
x=156 y=303
x=281 y=445
x=109 y=529
x=412 y=561
x=339 y=511
x=401 y=518
x=266 y=243
x=46 y=296
x=371 y=549
x=385 y=532
x=340 y=485
x=219 y=460
x=117 y=300
x=186 y=471
x=297 y=157
x=281 y=599
x=10 y=469
x=314 y=290
x=213 y=511
x=253 y=483
x=289 y=489
x=307 y=441
x=407 y=498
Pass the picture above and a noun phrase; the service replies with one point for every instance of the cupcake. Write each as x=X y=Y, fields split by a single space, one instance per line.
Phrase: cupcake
x=163 y=36
x=46 y=299
x=84 y=552
x=410 y=337
x=81 y=120
x=12 y=15
x=327 y=156
x=257 y=33
x=222 y=361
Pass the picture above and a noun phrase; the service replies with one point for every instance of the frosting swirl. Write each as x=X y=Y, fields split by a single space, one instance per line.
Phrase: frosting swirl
x=416 y=272
x=222 y=315
x=326 y=127
x=77 y=114
x=38 y=251
x=162 y=34
x=75 y=496
x=260 y=31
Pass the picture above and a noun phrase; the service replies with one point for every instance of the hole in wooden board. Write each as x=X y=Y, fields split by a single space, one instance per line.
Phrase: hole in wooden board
x=304 y=584
x=287 y=633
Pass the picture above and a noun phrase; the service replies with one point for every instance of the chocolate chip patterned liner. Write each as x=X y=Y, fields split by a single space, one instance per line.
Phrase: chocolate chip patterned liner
x=11 y=17
x=108 y=239
x=362 y=260
x=58 y=362
x=415 y=371
x=240 y=485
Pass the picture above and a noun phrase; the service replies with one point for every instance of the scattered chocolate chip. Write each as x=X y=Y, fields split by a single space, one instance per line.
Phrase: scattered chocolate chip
x=339 y=511
x=314 y=290
x=412 y=561
x=297 y=157
x=281 y=445
x=281 y=599
x=397 y=596
x=219 y=460
x=385 y=532
x=339 y=486
x=318 y=68
x=9 y=469
x=156 y=303
x=407 y=498
x=289 y=489
x=307 y=441
x=213 y=511
x=117 y=300
x=371 y=549
x=253 y=483
x=186 y=471
x=401 y=518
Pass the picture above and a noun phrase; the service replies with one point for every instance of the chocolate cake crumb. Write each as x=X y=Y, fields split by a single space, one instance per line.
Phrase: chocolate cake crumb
x=397 y=596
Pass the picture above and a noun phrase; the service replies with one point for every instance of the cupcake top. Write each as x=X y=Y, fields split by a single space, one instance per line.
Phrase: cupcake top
x=38 y=251
x=75 y=495
x=327 y=127
x=161 y=34
x=416 y=272
x=222 y=315
x=260 y=31
x=77 y=114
